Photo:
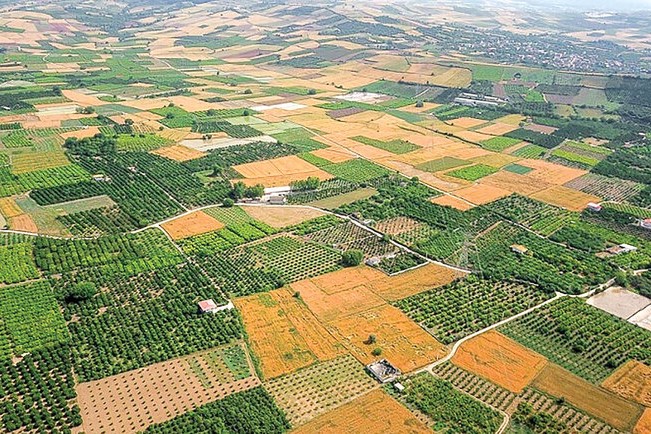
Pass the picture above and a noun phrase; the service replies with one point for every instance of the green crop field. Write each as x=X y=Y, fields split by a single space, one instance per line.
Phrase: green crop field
x=121 y=128
x=393 y=146
x=31 y=318
x=473 y=173
x=498 y=144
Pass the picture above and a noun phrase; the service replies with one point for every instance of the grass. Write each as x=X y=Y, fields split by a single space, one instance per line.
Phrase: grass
x=440 y=164
x=140 y=142
x=517 y=168
x=335 y=202
x=393 y=146
x=575 y=158
x=473 y=173
x=530 y=151
x=498 y=144
x=314 y=160
x=31 y=317
x=356 y=170
x=229 y=216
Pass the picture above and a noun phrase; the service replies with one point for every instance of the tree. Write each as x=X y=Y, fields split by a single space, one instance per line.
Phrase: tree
x=311 y=92
x=311 y=183
x=128 y=121
x=371 y=340
x=248 y=92
x=80 y=292
x=376 y=352
x=246 y=112
x=254 y=192
x=419 y=104
x=239 y=188
x=352 y=258
x=228 y=202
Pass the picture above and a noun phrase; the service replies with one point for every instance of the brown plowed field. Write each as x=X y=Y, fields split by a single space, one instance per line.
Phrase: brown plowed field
x=281 y=216
x=631 y=381
x=500 y=360
x=130 y=402
x=196 y=223
x=374 y=413
x=403 y=342
x=179 y=153
x=604 y=405
x=283 y=333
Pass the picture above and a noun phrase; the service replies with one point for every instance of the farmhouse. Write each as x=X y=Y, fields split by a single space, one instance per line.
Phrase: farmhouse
x=594 y=207
x=383 y=371
x=475 y=100
x=277 y=199
x=645 y=223
x=207 y=306
x=621 y=249
x=99 y=177
x=519 y=249
x=374 y=261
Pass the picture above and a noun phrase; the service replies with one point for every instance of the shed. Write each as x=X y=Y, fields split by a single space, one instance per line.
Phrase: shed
x=277 y=199
x=645 y=223
x=373 y=262
x=207 y=306
x=594 y=207
x=519 y=249
x=383 y=371
x=621 y=249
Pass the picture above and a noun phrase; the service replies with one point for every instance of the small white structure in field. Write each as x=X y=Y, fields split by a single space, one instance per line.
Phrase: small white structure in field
x=621 y=249
x=645 y=223
x=519 y=249
x=594 y=207
x=207 y=306
x=383 y=371
x=100 y=177
x=373 y=262
x=277 y=199
x=399 y=387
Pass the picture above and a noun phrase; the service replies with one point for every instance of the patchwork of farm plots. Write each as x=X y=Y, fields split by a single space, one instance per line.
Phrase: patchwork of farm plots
x=136 y=166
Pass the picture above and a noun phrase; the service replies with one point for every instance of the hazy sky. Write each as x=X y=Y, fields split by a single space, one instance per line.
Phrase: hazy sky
x=599 y=4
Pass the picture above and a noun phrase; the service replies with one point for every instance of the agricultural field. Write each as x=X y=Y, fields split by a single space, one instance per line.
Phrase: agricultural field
x=473 y=173
x=612 y=189
x=191 y=225
x=615 y=411
x=132 y=401
x=374 y=413
x=561 y=332
x=250 y=411
x=31 y=319
x=500 y=360
x=538 y=216
x=475 y=386
x=282 y=217
x=447 y=408
x=17 y=263
x=454 y=311
x=213 y=218
x=313 y=391
x=397 y=339
x=283 y=333
x=631 y=381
